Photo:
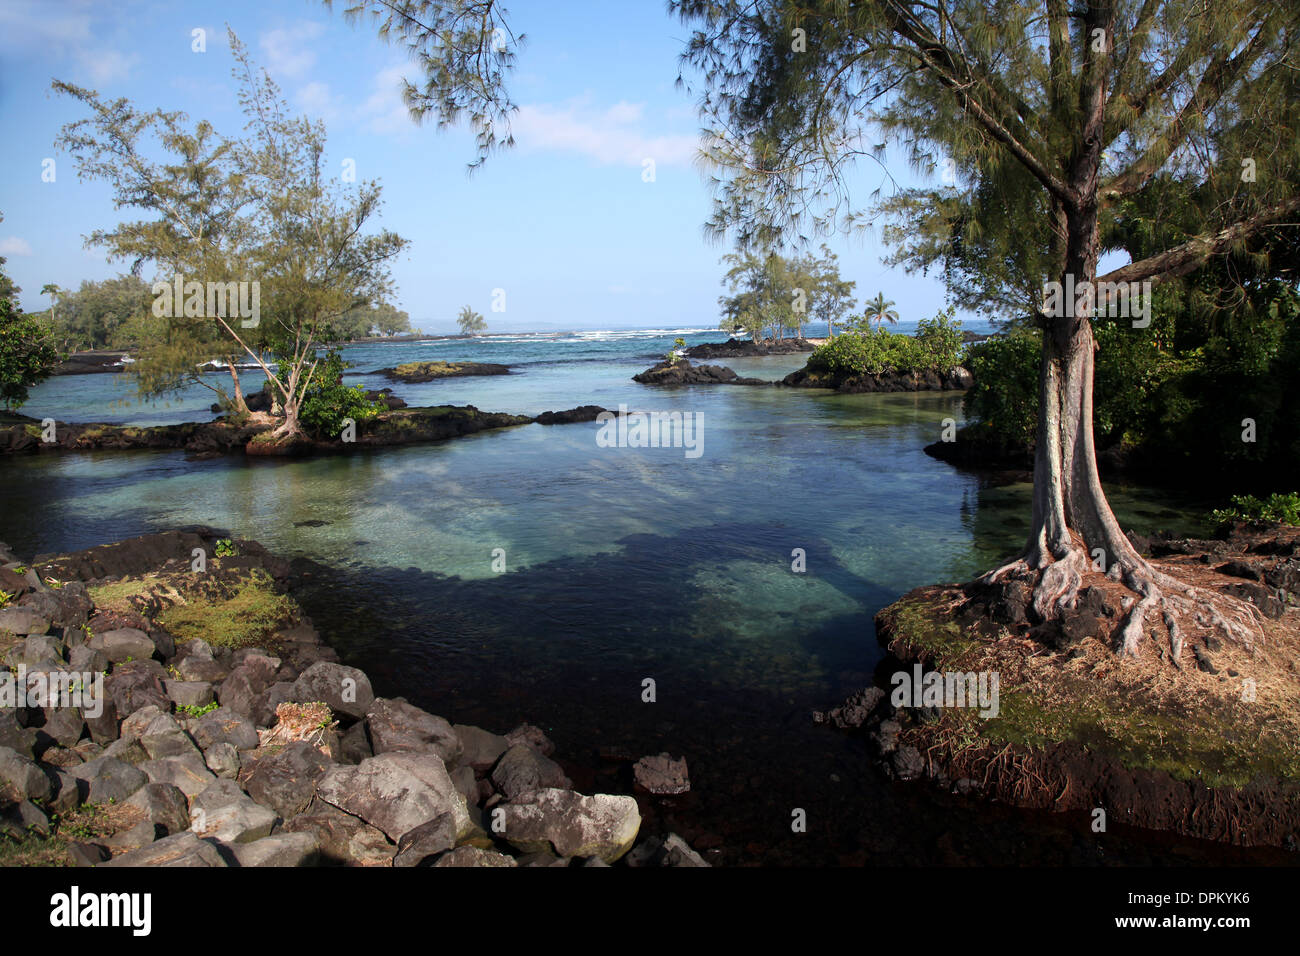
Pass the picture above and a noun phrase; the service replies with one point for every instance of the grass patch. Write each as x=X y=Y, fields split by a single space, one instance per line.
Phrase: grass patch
x=234 y=614
x=86 y=824
x=926 y=630
x=1141 y=714
x=117 y=594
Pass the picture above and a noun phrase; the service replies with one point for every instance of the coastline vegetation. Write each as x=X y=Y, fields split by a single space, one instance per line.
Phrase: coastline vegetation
x=936 y=346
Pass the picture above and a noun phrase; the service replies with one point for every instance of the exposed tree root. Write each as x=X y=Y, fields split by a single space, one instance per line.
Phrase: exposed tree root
x=1056 y=581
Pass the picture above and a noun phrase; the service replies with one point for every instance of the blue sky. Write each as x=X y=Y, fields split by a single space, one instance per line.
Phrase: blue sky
x=564 y=222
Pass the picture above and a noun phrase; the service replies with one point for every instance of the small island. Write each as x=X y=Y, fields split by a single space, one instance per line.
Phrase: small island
x=415 y=373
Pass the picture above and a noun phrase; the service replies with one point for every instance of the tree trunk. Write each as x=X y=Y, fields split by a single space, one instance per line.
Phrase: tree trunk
x=237 y=395
x=1073 y=529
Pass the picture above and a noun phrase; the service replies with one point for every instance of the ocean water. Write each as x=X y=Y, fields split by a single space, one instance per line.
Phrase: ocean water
x=621 y=565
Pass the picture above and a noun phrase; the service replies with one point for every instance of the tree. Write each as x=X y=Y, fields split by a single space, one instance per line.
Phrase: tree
x=53 y=291
x=27 y=356
x=470 y=322
x=261 y=209
x=1091 y=100
x=465 y=48
x=832 y=297
x=880 y=310
x=198 y=227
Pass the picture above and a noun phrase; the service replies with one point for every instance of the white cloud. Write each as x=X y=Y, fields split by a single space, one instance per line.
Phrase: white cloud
x=384 y=112
x=14 y=246
x=288 y=51
x=105 y=66
x=317 y=99
x=76 y=30
x=613 y=136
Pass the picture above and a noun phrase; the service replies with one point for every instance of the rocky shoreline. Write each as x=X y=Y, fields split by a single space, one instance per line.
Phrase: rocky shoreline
x=1196 y=747
x=398 y=426
x=682 y=372
x=215 y=743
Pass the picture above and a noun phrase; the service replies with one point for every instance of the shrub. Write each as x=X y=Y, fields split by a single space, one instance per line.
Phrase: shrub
x=1284 y=508
x=937 y=346
x=940 y=340
x=327 y=401
x=1004 y=397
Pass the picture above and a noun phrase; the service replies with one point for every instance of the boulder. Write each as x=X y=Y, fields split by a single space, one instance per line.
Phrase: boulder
x=14 y=736
x=677 y=852
x=22 y=818
x=182 y=849
x=163 y=805
x=343 y=838
x=396 y=725
x=165 y=738
x=63 y=725
x=134 y=685
x=345 y=689
x=282 y=849
x=188 y=772
x=521 y=768
x=222 y=759
x=239 y=692
x=86 y=660
x=473 y=856
x=40 y=648
x=22 y=620
x=570 y=824
x=480 y=749
x=123 y=645
x=66 y=606
x=189 y=693
x=286 y=780
x=533 y=737
x=197 y=668
x=662 y=774
x=225 y=813
x=225 y=726
x=21 y=778
x=396 y=792
x=106 y=779
x=426 y=841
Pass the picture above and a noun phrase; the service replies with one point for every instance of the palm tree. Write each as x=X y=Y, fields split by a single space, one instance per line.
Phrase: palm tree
x=880 y=310
x=53 y=291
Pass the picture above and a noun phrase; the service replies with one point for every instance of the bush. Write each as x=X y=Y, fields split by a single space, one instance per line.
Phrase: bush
x=327 y=401
x=1004 y=397
x=940 y=340
x=937 y=346
x=1276 y=508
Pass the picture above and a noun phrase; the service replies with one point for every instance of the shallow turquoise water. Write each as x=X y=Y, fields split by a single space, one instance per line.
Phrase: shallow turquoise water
x=621 y=563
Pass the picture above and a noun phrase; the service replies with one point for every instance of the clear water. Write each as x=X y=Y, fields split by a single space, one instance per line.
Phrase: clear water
x=621 y=565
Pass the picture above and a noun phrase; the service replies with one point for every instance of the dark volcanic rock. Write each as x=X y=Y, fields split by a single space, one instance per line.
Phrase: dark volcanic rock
x=397 y=725
x=854 y=711
x=583 y=413
x=954 y=379
x=746 y=348
x=521 y=768
x=416 y=372
x=286 y=780
x=684 y=373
